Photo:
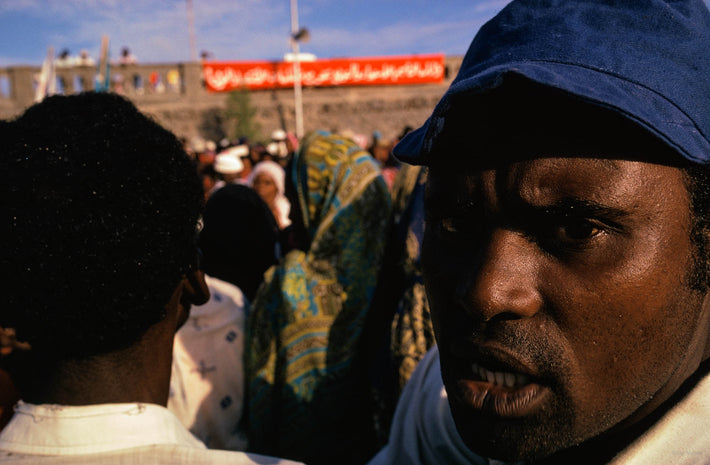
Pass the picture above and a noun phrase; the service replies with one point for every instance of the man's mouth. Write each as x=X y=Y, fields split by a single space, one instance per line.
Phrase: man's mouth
x=498 y=389
x=500 y=378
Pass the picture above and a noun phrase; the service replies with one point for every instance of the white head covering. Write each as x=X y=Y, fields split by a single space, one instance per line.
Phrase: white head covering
x=277 y=173
x=229 y=160
x=277 y=149
x=238 y=150
x=228 y=163
x=278 y=134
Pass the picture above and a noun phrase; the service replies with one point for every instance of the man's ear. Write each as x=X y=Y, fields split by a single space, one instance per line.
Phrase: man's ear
x=195 y=288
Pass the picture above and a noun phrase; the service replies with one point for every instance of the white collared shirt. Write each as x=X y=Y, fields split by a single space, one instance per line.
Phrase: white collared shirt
x=58 y=429
x=112 y=431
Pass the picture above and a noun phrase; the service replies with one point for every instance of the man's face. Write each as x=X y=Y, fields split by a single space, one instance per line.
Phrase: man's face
x=558 y=290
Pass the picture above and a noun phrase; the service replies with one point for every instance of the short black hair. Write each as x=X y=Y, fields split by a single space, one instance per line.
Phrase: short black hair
x=100 y=207
x=698 y=183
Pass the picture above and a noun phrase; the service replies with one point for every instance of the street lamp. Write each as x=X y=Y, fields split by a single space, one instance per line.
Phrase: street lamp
x=297 y=35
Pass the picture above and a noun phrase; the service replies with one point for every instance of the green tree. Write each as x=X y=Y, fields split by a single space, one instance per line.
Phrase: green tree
x=239 y=116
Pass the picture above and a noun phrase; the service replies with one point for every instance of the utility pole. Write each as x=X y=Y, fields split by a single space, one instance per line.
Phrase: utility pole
x=297 y=91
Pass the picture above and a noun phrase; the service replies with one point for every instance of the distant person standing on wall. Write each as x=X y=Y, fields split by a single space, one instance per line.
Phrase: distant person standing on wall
x=127 y=58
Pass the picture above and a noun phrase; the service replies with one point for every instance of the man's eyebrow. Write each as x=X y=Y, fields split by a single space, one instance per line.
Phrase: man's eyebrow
x=576 y=207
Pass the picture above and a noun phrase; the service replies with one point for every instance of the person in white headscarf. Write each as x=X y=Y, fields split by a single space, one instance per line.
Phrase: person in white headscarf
x=268 y=180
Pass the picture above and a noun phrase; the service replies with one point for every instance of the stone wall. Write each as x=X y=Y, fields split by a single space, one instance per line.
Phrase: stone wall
x=189 y=110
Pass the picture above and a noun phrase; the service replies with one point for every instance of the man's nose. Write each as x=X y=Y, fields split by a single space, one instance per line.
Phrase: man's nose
x=504 y=285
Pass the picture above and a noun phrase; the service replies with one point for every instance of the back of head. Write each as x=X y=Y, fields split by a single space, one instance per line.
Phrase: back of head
x=240 y=237
x=101 y=205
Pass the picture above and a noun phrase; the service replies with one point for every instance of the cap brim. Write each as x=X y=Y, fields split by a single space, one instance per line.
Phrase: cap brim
x=638 y=103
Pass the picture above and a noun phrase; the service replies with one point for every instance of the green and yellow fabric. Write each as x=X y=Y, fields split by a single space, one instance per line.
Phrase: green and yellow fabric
x=307 y=388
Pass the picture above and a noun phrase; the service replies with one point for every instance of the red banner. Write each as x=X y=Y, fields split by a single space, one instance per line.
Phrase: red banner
x=224 y=76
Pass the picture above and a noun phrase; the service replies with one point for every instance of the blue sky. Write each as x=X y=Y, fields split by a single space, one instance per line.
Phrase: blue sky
x=157 y=30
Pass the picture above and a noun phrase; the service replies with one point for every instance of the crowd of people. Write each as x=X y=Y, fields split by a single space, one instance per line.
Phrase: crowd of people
x=290 y=242
x=65 y=59
x=524 y=279
x=319 y=245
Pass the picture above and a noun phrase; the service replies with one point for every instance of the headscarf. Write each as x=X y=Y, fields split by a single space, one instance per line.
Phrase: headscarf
x=412 y=330
x=399 y=327
x=306 y=390
x=276 y=172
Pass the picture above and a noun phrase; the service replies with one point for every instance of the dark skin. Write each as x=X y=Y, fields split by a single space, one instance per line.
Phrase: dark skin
x=139 y=373
x=560 y=300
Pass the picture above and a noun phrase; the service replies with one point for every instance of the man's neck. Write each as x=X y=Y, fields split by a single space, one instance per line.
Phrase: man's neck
x=91 y=381
x=139 y=373
x=603 y=449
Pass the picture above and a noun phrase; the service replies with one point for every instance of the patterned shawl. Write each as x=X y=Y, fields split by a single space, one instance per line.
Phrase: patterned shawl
x=399 y=329
x=307 y=391
x=412 y=330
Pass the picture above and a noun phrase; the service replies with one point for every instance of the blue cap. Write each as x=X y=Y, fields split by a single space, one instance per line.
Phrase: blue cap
x=647 y=60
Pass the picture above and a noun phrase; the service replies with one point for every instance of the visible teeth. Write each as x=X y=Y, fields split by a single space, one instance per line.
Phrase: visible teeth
x=491 y=377
x=500 y=378
x=509 y=380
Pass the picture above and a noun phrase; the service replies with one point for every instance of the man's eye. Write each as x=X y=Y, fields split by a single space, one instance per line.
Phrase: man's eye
x=458 y=225
x=575 y=230
x=449 y=225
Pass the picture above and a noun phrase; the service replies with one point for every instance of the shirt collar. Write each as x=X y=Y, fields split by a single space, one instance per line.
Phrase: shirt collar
x=64 y=430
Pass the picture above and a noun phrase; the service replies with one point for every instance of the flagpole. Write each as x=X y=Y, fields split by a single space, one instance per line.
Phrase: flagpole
x=103 y=82
x=46 y=76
